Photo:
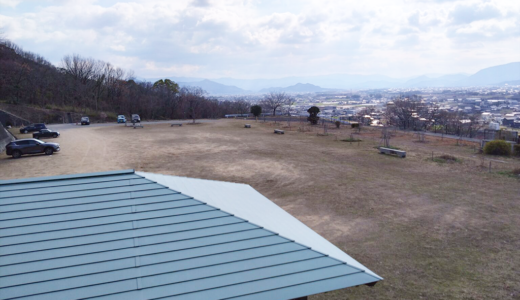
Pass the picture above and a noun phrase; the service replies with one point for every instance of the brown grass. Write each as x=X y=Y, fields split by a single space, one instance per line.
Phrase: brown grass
x=433 y=231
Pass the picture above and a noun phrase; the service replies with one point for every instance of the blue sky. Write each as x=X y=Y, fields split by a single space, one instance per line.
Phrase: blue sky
x=270 y=39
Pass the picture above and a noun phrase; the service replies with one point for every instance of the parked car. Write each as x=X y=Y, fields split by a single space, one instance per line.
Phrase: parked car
x=30 y=146
x=121 y=119
x=85 y=121
x=32 y=128
x=46 y=133
x=136 y=118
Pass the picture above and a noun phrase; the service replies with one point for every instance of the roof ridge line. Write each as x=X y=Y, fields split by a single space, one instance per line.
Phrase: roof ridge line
x=263 y=227
x=201 y=179
x=66 y=177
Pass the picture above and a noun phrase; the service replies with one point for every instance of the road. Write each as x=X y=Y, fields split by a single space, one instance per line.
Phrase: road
x=144 y=123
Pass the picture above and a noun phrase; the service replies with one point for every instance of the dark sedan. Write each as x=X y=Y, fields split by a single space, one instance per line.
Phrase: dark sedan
x=30 y=146
x=46 y=133
x=33 y=127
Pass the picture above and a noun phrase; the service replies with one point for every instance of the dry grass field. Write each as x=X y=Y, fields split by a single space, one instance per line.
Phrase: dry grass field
x=433 y=230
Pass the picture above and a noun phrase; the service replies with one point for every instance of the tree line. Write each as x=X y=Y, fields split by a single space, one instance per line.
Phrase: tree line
x=412 y=113
x=90 y=86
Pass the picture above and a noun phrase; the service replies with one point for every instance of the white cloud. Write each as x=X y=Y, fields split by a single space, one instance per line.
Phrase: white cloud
x=250 y=38
x=9 y=3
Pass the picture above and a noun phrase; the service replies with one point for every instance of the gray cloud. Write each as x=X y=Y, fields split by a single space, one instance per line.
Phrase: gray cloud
x=251 y=39
x=464 y=14
x=201 y=3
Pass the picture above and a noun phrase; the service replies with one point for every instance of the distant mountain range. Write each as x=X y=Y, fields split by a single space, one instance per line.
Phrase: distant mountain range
x=494 y=75
x=297 y=88
x=497 y=75
x=215 y=88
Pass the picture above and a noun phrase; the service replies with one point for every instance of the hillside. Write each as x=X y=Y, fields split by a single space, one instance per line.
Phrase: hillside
x=493 y=75
x=86 y=86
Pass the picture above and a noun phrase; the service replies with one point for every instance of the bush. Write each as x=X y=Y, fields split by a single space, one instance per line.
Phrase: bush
x=313 y=115
x=497 y=147
x=256 y=110
x=517 y=150
x=448 y=157
x=337 y=123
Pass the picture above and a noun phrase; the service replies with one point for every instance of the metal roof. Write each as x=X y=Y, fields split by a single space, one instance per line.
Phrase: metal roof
x=244 y=201
x=120 y=235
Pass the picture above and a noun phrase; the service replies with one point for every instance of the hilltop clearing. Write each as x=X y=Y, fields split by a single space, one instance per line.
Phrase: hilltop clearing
x=441 y=228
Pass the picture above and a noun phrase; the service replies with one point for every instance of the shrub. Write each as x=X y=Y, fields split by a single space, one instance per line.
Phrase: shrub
x=497 y=147
x=256 y=110
x=313 y=115
x=448 y=157
x=351 y=140
x=337 y=123
x=517 y=150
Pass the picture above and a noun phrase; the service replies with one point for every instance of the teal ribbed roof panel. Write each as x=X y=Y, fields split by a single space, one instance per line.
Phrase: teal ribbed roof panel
x=121 y=235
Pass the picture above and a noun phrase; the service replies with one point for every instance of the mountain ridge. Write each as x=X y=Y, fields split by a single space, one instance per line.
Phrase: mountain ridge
x=494 y=75
x=297 y=88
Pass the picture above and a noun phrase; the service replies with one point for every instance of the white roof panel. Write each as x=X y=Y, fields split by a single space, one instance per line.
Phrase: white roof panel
x=245 y=202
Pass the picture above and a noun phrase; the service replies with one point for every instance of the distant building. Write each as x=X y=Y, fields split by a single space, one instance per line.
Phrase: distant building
x=508 y=121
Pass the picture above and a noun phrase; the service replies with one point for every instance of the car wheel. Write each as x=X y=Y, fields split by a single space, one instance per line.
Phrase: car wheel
x=49 y=151
x=54 y=135
x=25 y=131
x=17 y=154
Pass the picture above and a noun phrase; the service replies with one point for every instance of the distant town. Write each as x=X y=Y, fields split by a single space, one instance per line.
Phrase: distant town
x=496 y=107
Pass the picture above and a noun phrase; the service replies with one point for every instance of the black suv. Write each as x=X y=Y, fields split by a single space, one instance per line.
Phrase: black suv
x=33 y=127
x=30 y=146
x=46 y=133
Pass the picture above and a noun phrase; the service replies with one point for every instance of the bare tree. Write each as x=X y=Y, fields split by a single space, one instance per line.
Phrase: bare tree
x=81 y=69
x=273 y=101
x=241 y=105
x=289 y=103
x=405 y=111
x=193 y=100
x=79 y=85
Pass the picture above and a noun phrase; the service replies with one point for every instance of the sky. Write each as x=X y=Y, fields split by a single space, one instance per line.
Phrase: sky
x=249 y=39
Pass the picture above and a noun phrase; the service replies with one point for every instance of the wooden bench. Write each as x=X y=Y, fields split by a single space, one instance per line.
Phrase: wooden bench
x=399 y=153
x=176 y=124
x=278 y=131
x=247 y=126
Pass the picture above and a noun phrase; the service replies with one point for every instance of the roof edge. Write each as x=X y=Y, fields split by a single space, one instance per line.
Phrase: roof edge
x=66 y=177
x=353 y=263
x=142 y=174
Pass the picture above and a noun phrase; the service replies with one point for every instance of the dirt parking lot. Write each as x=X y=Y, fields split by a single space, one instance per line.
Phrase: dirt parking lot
x=433 y=230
